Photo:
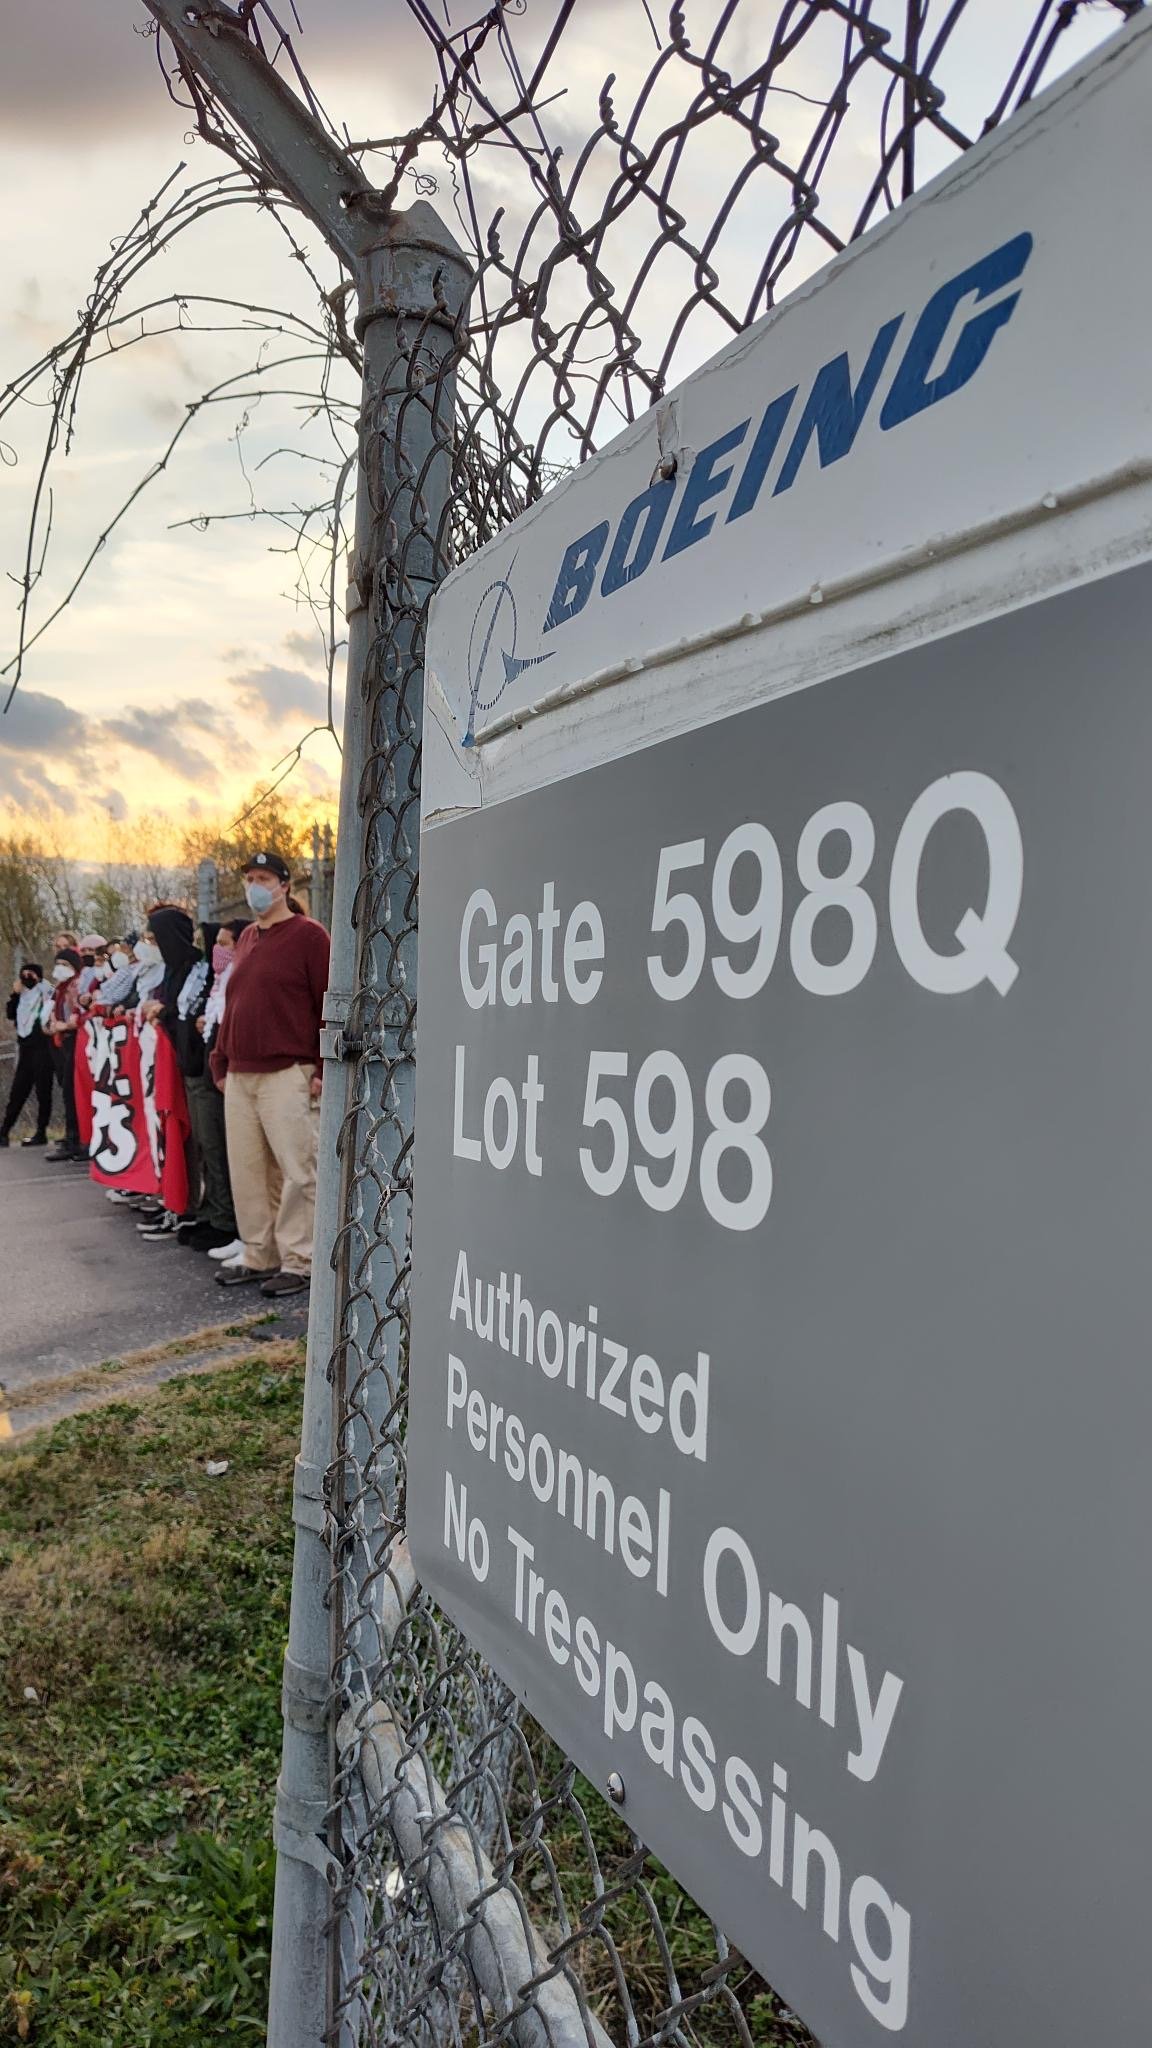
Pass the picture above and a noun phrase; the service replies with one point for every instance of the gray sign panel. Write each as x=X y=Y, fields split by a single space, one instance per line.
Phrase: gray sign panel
x=781 y=1379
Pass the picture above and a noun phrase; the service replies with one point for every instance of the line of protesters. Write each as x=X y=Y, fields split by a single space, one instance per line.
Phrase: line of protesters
x=242 y=1012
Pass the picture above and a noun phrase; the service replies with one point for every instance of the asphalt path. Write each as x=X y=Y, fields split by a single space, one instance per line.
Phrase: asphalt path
x=79 y=1285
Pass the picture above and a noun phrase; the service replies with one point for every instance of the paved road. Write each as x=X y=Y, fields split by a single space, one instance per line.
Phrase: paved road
x=77 y=1284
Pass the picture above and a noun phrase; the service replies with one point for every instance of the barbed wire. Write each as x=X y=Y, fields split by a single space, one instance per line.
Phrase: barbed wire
x=620 y=229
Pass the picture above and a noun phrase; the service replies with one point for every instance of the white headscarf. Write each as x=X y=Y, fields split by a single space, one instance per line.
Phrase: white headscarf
x=120 y=985
x=148 y=980
x=30 y=1008
x=214 y=1007
x=192 y=987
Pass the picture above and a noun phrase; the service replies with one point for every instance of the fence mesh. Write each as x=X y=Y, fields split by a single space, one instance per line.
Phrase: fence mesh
x=621 y=228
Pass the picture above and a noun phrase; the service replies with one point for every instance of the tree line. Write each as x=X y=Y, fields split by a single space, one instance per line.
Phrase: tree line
x=150 y=858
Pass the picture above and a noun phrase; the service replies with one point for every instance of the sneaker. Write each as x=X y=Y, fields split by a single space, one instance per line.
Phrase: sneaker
x=229 y=1254
x=286 y=1283
x=67 y=1155
x=243 y=1276
x=120 y=1196
x=37 y=1138
x=165 y=1226
x=5 y=1141
x=204 y=1237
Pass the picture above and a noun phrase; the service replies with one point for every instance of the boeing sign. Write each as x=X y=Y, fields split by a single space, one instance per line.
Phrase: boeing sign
x=729 y=478
x=941 y=374
x=831 y=417
x=782 y=1125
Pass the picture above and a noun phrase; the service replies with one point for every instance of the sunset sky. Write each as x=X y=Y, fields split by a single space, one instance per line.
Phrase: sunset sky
x=187 y=667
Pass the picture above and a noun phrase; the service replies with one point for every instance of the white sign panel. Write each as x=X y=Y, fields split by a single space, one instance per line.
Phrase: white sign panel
x=961 y=364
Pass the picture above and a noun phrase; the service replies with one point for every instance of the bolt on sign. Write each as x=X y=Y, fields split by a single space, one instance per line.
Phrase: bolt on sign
x=781 y=1393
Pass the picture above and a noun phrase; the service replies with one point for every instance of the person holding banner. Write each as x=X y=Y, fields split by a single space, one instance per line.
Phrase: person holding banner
x=27 y=1008
x=213 y=1228
x=169 y=933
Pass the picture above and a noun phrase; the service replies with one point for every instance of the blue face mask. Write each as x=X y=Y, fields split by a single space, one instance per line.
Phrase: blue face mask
x=259 y=897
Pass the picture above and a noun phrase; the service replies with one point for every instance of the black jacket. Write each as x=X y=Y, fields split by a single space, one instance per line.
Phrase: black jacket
x=172 y=930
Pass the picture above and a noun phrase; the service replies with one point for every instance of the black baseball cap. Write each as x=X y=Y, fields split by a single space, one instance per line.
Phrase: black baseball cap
x=272 y=862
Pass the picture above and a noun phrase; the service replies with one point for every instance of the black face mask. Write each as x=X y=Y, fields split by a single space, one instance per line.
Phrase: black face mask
x=87 y=959
x=29 y=980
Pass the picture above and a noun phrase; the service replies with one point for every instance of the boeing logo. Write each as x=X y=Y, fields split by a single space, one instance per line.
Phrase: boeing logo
x=675 y=514
x=496 y=620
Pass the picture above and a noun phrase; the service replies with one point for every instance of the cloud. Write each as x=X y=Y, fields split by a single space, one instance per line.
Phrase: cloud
x=71 y=60
x=316 y=780
x=39 y=736
x=163 y=734
x=47 y=747
x=91 y=66
x=207 y=717
x=284 y=692
x=25 y=784
x=305 y=646
x=38 y=724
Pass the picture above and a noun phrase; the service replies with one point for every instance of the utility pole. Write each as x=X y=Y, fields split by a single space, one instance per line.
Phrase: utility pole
x=411 y=279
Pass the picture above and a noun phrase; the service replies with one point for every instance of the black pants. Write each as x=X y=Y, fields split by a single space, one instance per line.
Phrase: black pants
x=206 y=1115
x=63 y=1059
x=33 y=1072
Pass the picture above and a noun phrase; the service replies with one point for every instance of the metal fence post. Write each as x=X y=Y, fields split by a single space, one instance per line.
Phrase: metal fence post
x=207 y=890
x=411 y=285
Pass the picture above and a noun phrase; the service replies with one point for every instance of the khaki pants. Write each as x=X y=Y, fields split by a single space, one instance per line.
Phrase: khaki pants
x=272 y=1124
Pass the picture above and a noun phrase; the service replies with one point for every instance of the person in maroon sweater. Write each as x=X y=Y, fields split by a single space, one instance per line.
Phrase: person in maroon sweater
x=267 y=1061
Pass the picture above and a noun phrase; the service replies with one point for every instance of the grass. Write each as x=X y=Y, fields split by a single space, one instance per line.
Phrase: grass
x=723 y=2001
x=143 y=1610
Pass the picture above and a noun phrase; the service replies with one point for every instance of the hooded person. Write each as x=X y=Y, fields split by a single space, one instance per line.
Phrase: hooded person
x=169 y=930
x=214 y=1226
x=168 y=933
x=62 y=1019
x=27 y=1009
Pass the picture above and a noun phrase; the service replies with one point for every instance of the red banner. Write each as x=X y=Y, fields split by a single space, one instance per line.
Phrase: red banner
x=131 y=1108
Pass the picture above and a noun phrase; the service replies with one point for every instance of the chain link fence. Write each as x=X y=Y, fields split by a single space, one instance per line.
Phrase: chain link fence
x=620 y=229
x=462 y=1883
